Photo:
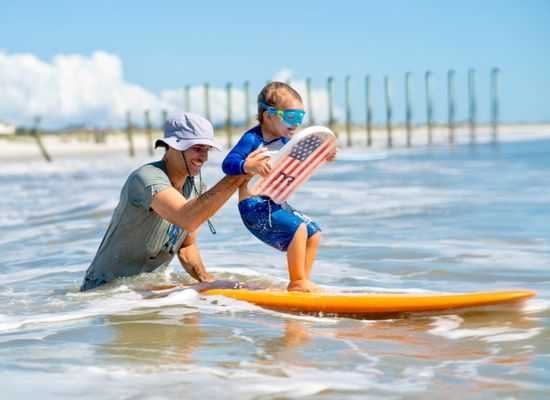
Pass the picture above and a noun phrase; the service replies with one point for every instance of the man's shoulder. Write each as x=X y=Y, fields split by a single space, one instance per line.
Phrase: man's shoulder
x=155 y=167
x=145 y=182
x=154 y=171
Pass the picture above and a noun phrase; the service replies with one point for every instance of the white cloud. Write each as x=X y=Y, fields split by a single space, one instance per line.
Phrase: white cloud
x=75 y=89
x=283 y=75
x=69 y=89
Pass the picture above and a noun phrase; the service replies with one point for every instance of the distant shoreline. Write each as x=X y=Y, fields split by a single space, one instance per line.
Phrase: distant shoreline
x=24 y=147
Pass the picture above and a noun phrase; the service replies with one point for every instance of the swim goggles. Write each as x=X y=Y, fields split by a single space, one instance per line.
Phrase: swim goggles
x=290 y=117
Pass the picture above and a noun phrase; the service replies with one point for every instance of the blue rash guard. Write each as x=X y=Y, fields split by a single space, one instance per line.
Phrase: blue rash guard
x=233 y=164
x=274 y=224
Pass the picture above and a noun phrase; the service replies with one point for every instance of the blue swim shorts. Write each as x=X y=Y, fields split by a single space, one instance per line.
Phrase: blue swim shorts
x=274 y=224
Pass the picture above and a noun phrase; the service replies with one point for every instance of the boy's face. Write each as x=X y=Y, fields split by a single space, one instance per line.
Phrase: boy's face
x=274 y=124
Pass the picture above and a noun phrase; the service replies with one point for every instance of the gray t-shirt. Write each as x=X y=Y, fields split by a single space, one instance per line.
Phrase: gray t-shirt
x=138 y=239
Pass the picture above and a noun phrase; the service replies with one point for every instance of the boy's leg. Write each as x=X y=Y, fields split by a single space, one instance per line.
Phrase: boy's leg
x=312 y=246
x=296 y=257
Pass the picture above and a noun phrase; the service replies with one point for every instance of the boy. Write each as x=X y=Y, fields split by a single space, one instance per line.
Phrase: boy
x=280 y=111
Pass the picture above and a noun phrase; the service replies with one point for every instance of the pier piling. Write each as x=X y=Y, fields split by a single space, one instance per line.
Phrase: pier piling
x=451 y=105
x=494 y=103
x=35 y=132
x=207 y=101
x=330 y=90
x=229 y=123
x=387 y=90
x=130 y=134
x=408 y=107
x=247 y=119
x=348 y=111
x=472 y=104
x=332 y=121
x=187 y=98
x=429 y=106
x=368 y=110
x=310 y=102
x=149 y=132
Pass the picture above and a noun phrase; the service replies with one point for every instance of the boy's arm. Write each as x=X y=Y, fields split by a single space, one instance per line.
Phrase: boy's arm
x=233 y=164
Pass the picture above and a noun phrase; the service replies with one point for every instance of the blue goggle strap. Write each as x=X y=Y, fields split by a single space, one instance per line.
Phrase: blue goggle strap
x=269 y=109
x=283 y=114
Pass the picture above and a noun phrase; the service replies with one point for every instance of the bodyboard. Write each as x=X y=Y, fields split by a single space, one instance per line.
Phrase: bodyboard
x=295 y=163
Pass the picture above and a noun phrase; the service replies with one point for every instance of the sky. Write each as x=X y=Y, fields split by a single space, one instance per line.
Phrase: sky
x=73 y=62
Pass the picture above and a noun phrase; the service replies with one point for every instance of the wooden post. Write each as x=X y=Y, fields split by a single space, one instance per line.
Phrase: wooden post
x=472 y=109
x=309 y=102
x=330 y=89
x=429 y=106
x=187 y=97
x=38 y=137
x=130 y=133
x=408 y=107
x=348 y=110
x=247 y=120
x=451 y=102
x=164 y=119
x=387 y=87
x=229 y=122
x=149 y=132
x=494 y=103
x=207 y=101
x=368 y=110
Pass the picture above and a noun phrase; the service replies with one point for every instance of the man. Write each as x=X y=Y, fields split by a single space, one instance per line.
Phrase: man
x=162 y=205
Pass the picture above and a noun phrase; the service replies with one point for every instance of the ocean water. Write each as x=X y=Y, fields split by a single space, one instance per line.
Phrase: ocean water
x=442 y=220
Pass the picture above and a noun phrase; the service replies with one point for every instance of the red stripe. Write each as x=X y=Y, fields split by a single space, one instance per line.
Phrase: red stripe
x=304 y=176
x=303 y=166
x=273 y=175
x=289 y=172
x=304 y=171
x=262 y=183
x=296 y=172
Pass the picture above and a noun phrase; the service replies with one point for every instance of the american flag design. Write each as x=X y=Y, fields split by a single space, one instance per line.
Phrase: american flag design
x=304 y=158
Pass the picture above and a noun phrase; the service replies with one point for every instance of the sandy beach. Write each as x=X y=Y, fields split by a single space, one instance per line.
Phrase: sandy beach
x=14 y=148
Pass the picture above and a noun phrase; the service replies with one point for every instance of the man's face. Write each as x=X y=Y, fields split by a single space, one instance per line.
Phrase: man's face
x=195 y=157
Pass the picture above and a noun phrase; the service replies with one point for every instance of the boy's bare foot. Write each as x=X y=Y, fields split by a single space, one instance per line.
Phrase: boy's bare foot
x=304 y=285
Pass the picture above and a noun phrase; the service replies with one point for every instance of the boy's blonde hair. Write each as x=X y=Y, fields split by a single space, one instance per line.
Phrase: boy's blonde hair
x=271 y=95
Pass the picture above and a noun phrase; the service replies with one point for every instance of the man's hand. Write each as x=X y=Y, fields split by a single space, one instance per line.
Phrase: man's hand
x=191 y=261
x=257 y=163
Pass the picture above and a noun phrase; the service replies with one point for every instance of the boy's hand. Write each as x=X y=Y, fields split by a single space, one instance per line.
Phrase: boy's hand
x=257 y=163
x=332 y=156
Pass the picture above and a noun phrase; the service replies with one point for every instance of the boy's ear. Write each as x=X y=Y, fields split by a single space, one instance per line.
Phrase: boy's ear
x=266 y=115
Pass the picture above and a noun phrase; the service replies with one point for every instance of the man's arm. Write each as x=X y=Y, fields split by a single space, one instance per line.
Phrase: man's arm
x=190 y=214
x=191 y=261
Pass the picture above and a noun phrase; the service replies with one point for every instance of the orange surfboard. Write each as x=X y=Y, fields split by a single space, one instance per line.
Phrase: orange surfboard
x=367 y=303
x=349 y=303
